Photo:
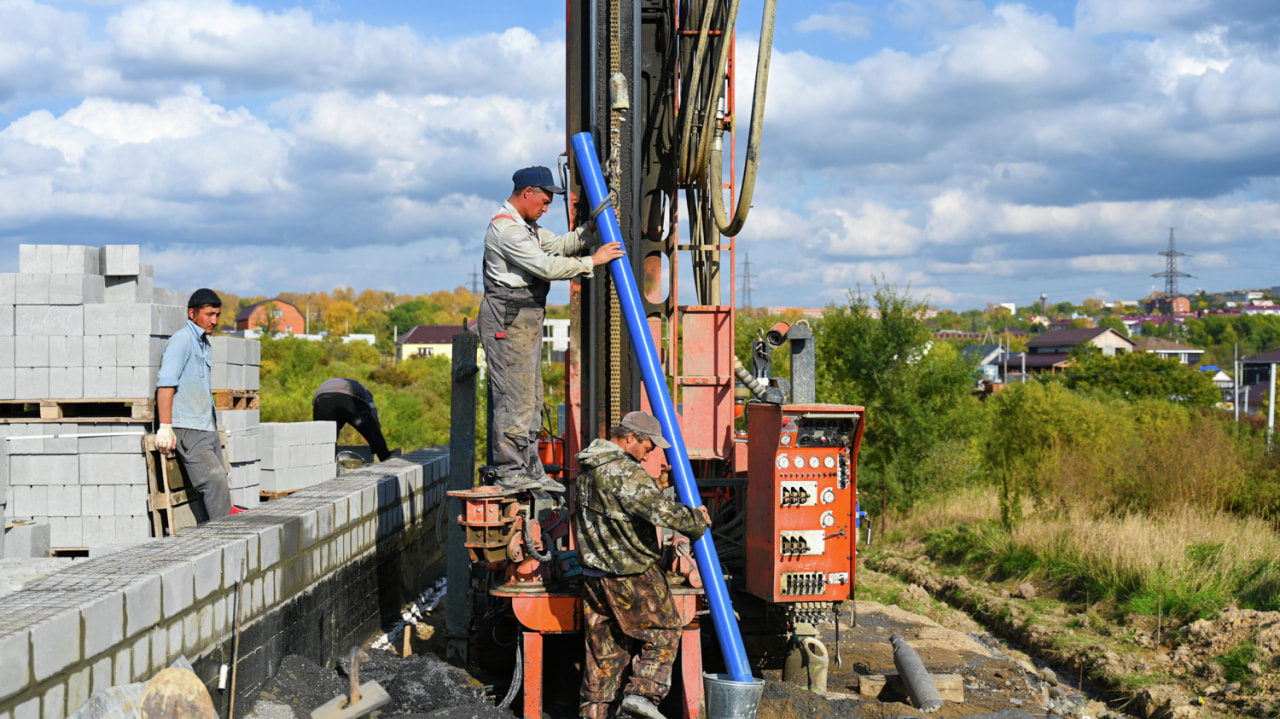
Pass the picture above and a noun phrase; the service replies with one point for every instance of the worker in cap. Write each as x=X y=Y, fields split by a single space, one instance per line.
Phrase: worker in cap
x=521 y=259
x=627 y=613
x=345 y=401
x=184 y=399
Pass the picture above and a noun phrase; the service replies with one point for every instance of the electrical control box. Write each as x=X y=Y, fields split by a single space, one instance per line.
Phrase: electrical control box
x=802 y=490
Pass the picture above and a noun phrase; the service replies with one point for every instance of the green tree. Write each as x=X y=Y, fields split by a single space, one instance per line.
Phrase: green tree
x=916 y=391
x=1115 y=324
x=1141 y=375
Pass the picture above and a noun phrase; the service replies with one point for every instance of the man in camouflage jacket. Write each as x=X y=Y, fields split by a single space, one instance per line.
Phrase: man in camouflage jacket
x=626 y=601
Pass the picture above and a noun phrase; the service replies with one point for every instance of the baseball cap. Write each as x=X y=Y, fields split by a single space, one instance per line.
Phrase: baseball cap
x=537 y=176
x=204 y=296
x=644 y=424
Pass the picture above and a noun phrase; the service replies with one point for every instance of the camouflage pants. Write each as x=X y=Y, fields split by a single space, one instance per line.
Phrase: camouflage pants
x=619 y=614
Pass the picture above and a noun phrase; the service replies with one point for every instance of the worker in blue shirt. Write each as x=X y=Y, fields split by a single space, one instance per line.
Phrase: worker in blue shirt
x=184 y=398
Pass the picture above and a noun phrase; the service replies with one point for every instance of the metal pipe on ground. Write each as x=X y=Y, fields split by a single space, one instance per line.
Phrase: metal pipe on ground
x=727 y=632
x=924 y=695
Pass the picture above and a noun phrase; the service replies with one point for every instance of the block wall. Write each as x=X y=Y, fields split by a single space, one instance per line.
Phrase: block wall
x=316 y=572
x=297 y=454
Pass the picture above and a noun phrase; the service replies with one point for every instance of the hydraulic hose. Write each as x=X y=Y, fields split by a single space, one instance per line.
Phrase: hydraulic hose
x=731 y=227
x=744 y=375
x=695 y=78
x=727 y=631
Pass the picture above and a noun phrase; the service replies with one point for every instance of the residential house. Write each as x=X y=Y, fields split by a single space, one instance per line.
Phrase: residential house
x=986 y=360
x=1257 y=369
x=433 y=341
x=1050 y=352
x=275 y=316
x=1167 y=349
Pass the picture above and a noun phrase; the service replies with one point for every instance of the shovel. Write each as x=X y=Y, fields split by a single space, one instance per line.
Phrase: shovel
x=363 y=699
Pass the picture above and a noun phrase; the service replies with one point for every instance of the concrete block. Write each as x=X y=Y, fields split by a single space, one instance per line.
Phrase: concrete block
x=127 y=319
x=103 y=675
x=46 y=319
x=130 y=500
x=115 y=468
x=76 y=259
x=100 y=382
x=128 y=290
x=145 y=270
x=156 y=350
x=125 y=384
x=147 y=649
x=66 y=382
x=64 y=500
x=322 y=432
x=66 y=351
x=252 y=379
x=70 y=289
x=31 y=289
x=142 y=604
x=53 y=705
x=34 y=258
x=177 y=586
x=253 y=353
x=8 y=382
x=128 y=443
x=55 y=643
x=27 y=710
x=208 y=573
x=108 y=350
x=8 y=288
x=31 y=351
x=103 y=622
x=31 y=383
x=67 y=532
x=120 y=259
x=8 y=349
x=166 y=319
x=42 y=469
x=146 y=377
x=124 y=667
x=133 y=350
x=15 y=662
x=218 y=378
x=6 y=319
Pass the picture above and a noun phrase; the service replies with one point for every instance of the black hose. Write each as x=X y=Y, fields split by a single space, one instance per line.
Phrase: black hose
x=924 y=695
x=517 y=678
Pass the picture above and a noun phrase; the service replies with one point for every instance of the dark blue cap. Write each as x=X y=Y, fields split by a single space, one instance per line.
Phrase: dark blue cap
x=204 y=297
x=537 y=176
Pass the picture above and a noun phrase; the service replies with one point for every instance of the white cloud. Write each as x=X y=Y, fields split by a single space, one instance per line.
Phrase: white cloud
x=1145 y=16
x=844 y=19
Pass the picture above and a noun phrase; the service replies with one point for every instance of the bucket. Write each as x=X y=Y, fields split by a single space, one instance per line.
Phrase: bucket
x=728 y=699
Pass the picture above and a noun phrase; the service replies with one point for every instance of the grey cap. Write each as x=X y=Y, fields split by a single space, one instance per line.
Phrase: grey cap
x=644 y=425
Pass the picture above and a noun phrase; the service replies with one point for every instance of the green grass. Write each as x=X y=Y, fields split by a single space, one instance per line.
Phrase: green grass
x=1235 y=663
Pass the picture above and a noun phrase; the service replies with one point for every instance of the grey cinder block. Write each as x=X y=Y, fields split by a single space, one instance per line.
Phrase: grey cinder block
x=26 y=541
x=15 y=660
x=66 y=350
x=100 y=382
x=119 y=319
x=31 y=289
x=120 y=260
x=142 y=605
x=103 y=622
x=55 y=643
x=8 y=288
x=31 y=383
x=6 y=320
x=177 y=587
x=31 y=351
x=133 y=350
x=127 y=290
x=46 y=319
x=7 y=348
x=66 y=382
x=34 y=258
x=75 y=259
x=72 y=289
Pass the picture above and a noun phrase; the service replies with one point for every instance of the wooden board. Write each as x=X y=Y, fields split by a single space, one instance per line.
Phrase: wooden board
x=235 y=399
x=873 y=686
x=60 y=410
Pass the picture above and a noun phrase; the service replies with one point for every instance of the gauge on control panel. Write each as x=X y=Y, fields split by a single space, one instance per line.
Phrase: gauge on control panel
x=828 y=496
x=828 y=518
x=785 y=440
x=798 y=461
x=815 y=461
x=829 y=461
x=783 y=462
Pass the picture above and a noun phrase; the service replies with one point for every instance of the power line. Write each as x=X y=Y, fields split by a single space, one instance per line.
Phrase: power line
x=1170 y=275
x=475 y=281
x=746 y=281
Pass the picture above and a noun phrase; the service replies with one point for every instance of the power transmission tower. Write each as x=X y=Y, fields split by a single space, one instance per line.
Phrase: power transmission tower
x=746 y=281
x=475 y=281
x=1170 y=275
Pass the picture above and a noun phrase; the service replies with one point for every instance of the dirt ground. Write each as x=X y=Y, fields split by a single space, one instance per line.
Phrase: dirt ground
x=997 y=682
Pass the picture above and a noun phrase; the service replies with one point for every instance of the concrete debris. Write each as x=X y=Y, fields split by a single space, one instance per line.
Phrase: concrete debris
x=413 y=616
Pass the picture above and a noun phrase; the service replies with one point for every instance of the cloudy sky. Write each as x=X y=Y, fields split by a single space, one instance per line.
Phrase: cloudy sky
x=981 y=152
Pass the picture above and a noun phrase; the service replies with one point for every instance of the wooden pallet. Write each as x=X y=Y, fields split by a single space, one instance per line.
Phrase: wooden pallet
x=59 y=410
x=170 y=495
x=268 y=496
x=235 y=398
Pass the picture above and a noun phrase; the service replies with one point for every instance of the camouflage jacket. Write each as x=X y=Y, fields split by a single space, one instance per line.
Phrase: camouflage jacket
x=618 y=507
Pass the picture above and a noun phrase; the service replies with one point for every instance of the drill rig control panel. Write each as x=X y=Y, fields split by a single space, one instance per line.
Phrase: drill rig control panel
x=801 y=497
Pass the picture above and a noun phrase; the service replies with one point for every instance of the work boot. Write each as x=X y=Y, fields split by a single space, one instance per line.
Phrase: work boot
x=550 y=485
x=638 y=706
x=518 y=483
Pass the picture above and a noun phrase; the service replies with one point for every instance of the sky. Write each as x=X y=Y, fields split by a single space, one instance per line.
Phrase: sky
x=974 y=152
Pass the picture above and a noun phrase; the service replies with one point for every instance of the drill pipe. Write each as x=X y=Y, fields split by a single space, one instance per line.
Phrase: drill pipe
x=727 y=632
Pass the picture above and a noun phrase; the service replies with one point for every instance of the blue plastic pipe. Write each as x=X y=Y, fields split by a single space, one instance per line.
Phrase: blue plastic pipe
x=727 y=632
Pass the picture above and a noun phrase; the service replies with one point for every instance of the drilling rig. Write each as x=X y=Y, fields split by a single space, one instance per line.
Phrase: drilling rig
x=652 y=81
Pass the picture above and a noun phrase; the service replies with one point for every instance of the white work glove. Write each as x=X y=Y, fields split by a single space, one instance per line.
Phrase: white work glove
x=166 y=440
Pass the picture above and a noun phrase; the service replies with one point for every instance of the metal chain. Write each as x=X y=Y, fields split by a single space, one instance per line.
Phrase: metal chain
x=614 y=165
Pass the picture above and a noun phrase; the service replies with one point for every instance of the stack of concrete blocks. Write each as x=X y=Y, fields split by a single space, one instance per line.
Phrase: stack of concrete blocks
x=235 y=363
x=244 y=452
x=91 y=490
x=297 y=454
x=79 y=322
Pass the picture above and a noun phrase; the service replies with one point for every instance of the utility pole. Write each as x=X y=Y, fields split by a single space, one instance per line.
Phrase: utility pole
x=475 y=281
x=1271 y=409
x=1170 y=275
x=1235 y=383
x=746 y=281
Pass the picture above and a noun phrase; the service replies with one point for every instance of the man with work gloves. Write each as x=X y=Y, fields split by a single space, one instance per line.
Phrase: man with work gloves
x=184 y=398
x=520 y=261
x=626 y=603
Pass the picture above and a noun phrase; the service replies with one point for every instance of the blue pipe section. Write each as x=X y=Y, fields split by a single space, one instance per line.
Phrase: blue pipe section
x=726 y=624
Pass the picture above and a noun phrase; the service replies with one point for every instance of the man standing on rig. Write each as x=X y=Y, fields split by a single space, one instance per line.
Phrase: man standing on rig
x=520 y=261
x=626 y=600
